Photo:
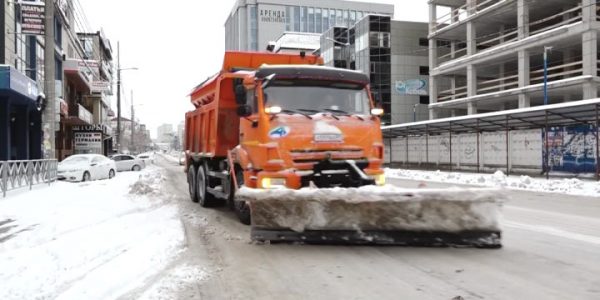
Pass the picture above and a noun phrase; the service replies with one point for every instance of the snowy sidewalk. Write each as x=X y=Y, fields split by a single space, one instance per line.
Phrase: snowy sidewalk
x=570 y=186
x=92 y=240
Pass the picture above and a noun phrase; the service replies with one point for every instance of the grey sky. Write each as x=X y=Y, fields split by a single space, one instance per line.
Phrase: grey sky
x=176 y=44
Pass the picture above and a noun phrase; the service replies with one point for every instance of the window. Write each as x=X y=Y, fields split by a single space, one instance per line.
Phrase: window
x=288 y=19
x=251 y=100
x=58 y=71
x=311 y=19
x=379 y=39
x=346 y=17
x=88 y=49
x=57 y=33
x=325 y=19
x=424 y=70
x=296 y=18
x=318 y=21
x=352 y=17
x=340 y=17
x=423 y=42
x=313 y=96
x=303 y=19
x=424 y=99
x=31 y=57
x=331 y=18
x=253 y=27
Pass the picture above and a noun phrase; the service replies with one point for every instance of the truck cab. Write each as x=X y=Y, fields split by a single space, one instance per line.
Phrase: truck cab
x=306 y=126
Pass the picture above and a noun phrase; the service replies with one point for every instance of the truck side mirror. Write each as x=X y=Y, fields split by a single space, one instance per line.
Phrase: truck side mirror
x=244 y=110
x=240 y=94
x=240 y=91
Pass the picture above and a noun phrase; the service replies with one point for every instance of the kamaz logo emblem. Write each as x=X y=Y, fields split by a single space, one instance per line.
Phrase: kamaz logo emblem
x=279 y=132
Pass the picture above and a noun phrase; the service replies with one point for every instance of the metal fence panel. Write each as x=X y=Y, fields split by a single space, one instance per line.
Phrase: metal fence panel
x=16 y=174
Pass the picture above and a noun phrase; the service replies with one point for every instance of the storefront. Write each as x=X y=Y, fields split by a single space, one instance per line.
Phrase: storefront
x=20 y=118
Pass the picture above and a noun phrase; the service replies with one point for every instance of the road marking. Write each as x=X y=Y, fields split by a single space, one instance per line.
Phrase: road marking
x=554 y=231
x=551 y=214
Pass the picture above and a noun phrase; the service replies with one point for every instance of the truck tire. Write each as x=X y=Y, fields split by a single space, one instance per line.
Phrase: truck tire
x=205 y=198
x=241 y=208
x=191 y=178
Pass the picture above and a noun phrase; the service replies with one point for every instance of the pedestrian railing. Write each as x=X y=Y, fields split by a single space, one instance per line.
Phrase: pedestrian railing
x=16 y=174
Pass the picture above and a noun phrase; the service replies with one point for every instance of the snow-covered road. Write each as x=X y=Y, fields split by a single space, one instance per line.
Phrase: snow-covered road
x=106 y=240
x=550 y=252
x=92 y=240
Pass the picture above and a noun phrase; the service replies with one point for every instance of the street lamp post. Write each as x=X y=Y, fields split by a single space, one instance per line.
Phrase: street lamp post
x=132 y=125
x=546 y=49
x=119 y=69
x=415 y=112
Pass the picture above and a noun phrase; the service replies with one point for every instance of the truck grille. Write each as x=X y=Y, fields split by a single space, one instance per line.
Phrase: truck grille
x=303 y=156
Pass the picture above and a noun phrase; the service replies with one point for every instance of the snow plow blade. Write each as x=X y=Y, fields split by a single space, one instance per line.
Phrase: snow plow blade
x=377 y=215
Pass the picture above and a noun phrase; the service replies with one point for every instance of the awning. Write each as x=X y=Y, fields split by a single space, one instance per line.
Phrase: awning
x=15 y=83
x=561 y=114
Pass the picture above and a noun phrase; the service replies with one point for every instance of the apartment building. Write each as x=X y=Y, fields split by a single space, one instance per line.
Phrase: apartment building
x=492 y=55
x=252 y=24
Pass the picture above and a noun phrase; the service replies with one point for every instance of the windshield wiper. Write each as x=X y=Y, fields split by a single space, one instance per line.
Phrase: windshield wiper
x=343 y=112
x=337 y=111
x=309 y=110
x=293 y=111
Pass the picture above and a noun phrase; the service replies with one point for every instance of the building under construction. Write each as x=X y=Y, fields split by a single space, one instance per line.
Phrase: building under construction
x=488 y=55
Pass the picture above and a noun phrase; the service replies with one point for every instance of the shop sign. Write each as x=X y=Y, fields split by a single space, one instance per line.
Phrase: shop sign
x=87 y=142
x=411 y=87
x=32 y=18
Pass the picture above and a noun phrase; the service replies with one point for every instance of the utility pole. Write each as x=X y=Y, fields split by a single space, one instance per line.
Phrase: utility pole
x=132 y=125
x=50 y=111
x=118 y=98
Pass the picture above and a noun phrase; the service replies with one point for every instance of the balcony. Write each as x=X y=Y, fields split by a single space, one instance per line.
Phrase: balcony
x=79 y=115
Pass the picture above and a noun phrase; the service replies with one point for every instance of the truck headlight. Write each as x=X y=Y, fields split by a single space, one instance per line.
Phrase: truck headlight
x=272 y=183
x=379 y=179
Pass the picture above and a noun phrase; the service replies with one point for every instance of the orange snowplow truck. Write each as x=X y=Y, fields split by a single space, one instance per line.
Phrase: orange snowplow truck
x=268 y=121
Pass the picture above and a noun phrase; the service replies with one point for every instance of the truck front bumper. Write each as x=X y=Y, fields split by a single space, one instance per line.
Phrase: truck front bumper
x=326 y=173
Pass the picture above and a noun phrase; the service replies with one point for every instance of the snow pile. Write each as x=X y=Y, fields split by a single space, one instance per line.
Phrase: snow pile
x=149 y=183
x=375 y=208
x=89 y=240
x=174 y=282
x=571 y=186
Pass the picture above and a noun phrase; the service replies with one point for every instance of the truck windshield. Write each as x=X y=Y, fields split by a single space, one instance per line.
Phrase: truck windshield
x=317 y=96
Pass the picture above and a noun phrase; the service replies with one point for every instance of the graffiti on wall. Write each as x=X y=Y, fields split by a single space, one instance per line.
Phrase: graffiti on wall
x=571 y=149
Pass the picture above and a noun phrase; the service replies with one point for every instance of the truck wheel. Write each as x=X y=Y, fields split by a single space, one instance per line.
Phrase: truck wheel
x=205 y=198
x=241 y=208
x=191 y=178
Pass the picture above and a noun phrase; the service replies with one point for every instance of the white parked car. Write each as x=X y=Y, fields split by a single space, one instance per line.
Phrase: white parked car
x=86 y=167
x=148 y=158
x=126 y=162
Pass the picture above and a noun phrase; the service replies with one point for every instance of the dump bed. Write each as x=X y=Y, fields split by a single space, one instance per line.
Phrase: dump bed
x=213 y=127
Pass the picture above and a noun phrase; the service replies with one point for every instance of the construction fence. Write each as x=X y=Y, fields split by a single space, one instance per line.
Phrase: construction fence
x=557 y=138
